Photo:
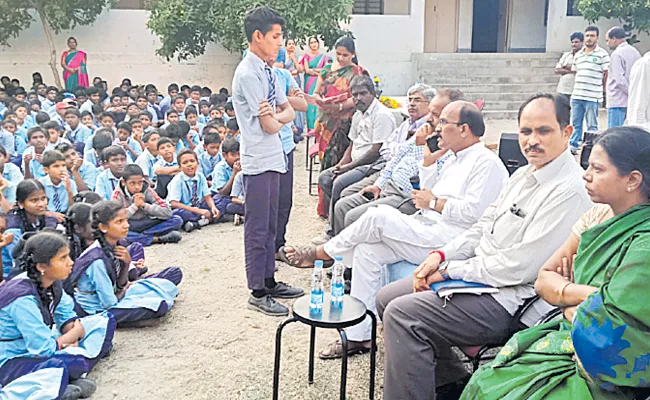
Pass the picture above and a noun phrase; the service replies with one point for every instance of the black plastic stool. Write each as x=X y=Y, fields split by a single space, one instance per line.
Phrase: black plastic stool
x=352 y=313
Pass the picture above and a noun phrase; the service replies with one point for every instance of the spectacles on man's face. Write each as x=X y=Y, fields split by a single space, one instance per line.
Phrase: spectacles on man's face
x=443 y=121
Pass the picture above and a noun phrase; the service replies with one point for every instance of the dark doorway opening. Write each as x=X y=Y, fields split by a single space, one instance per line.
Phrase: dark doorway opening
x=485 y=26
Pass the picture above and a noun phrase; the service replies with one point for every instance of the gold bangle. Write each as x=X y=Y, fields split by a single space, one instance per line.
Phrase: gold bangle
x=562 y=291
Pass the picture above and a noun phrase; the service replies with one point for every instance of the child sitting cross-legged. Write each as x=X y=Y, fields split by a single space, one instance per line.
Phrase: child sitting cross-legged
x=149 y=156
x=224 y=174
x=189 y=194
x=166 y=167
x=150 y=218
x=114 y=160
x=33 y=155
x=210 y=153
x=125 y=141
x=59 y=188
x=78 y=132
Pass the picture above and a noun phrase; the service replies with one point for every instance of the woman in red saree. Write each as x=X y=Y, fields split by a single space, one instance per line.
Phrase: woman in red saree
x=334 y=117
x=73 y=62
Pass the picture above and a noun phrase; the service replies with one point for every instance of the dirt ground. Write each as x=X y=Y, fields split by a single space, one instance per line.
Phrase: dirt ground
x=211 y=346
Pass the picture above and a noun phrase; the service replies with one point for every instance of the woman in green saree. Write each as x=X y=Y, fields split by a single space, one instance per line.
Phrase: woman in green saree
x=73 y=62
x=599 y=277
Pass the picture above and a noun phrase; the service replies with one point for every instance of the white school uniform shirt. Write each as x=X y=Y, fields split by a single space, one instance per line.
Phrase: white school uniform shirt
x=530 y=220
x=470 y=181
x=638 y=107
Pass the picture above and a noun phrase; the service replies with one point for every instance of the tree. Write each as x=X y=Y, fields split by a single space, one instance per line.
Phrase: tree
x=633 y=14
x=55 y=16
x=185 y=27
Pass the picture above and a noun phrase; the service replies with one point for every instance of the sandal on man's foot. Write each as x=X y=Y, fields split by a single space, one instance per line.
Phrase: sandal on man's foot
x=302 y=256
x=281 y=256
x=335 y=349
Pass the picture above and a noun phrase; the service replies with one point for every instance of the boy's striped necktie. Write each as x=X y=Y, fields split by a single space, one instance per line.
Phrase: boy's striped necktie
x=271 y=98
x=57 y=201
x=195 y=195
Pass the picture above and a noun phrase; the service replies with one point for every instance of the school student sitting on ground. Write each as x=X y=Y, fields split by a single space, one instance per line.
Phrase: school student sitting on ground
x=12 y=176
x=99 y=141
x=83 y=173
x=33 y=155
x=59 y=188
x=192 y=117
x=232 y=129
x=189 y=194
x=147 y=123
x=55 y=132
x=204 y=112
x=114 y=161
x=189 y=139
x=14 y=145
x=166 y=167
x=149 y=156
x=210 y=155
x=125 y=141
x=88 y=120
x=224 y=174
x=237 y=199
x=150 y=217
x=77 y=133
x=100 y=276
x=179 y=106
x=137 y=131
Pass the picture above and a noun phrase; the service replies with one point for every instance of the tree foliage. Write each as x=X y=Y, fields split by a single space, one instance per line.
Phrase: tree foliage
x=633 y=14
x=185 y=27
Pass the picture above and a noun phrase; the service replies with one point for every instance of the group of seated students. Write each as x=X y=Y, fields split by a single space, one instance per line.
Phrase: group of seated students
x=82 y=191
x=468 y=221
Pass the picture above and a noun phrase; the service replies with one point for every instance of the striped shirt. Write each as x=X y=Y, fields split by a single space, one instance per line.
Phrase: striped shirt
x=590 y=69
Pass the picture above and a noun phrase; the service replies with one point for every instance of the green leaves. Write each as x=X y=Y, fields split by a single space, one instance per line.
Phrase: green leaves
x=633 y=14
x=185 y=27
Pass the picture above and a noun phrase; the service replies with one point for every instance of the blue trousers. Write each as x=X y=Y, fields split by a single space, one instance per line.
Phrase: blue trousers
x=74 y=365
x=222 y=202
x=145 y=236
x=188 y=216
x=235 y=209
x=581 y=110
x=616 y=116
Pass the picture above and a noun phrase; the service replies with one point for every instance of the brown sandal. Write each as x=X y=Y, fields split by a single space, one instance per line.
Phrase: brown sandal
x=335 y=350
x=302 y=257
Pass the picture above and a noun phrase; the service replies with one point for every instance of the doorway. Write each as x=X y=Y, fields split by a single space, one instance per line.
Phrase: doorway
x=489 y=26
x=440 y=26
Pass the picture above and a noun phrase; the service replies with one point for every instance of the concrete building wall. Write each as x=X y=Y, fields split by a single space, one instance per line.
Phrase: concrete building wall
x=527 y=29
x=396 y=7
x=118 y=45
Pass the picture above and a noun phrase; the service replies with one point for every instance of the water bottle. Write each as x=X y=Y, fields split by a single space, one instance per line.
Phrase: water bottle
x=317 y=297
x=338 y=286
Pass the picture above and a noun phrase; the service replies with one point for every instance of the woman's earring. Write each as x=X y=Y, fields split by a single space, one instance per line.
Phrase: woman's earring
x=42 y=272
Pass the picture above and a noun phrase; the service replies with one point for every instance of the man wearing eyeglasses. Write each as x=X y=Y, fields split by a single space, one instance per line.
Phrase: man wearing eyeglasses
x=504 y=249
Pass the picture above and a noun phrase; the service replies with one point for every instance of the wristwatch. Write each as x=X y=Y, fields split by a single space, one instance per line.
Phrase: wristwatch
x=442 y=268
x=432 y=203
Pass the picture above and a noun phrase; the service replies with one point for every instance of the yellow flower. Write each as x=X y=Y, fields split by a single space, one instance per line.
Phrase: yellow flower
x=542 y=345
x=376 y=79
x=507 y=351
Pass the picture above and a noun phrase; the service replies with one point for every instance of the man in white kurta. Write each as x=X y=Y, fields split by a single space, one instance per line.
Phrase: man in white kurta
x=638 y=108
x=453 y=199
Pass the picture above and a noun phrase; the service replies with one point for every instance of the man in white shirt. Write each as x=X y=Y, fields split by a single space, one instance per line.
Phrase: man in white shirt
x=564 y=66
x=451 y=201
x=638 y=108
x=505 y=249
x=372 y=125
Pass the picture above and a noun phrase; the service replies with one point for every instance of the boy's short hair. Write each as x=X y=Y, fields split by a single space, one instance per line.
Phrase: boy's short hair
x=148 y=135
x=145 y=113
x=210 y=138
x=87 y=197
x=132 y=170
x=112 y=151
x=20 y=91
x=141 y=96
x=53 y=125
x=64 y=147
x=229 y=107
x=134 y=121
x=97 y=109
x=204 y=103
x=102 y=139
x=35 y=102
x=172 y=86
x=37 y=129
x=52 y=89
x=164 y=140
x=9 y=122
x=52 y=156
x=184 y=87
x=217 y=123
x=185 y=128
x=261 y=19
x=178 y=97
x=3 y=152
x=107 y=114
x=18 y=105
x=173 y=131
x=125 y=126
x=72 y=111
x=86 y=114
x=171 y=111
x=195 y=88
x=232 y=124
x=91 y=90
x=42 y=117
x=185 y=152
x=191 y=110
x=230 y=146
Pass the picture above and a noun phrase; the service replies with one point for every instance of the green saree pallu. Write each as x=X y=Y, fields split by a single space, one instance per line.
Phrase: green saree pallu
x=605 y=353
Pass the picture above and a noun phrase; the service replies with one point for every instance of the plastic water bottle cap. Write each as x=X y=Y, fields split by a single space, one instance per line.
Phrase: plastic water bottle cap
x=318 y=263
x=338 y=259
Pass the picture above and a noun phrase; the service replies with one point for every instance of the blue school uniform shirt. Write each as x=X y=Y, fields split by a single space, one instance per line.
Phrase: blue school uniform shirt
x=208 y=162
x=88 y=174
x=93 y=159
x=135 y=146
x=146 y=161
x=155 y=112
x=181 y=187
x=7 y=141
x=57 y=195
x=22 y=319
x=106 y=184
x=184 y=143
x=238 y=187
x=22 y=132
x=220 y=175
x=203 y=119
x=79 y=135
x=46 y=105
x=20 y=145
x=286 y=133
x=35 y=167
x=95 y=291
x=162 y=163
x=13 y=176
x=200 y=130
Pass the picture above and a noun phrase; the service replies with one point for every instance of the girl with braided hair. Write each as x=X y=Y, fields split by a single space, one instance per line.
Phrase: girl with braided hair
x=78 y=229
x=28 y=215
x=39 y=329
x=100 y=276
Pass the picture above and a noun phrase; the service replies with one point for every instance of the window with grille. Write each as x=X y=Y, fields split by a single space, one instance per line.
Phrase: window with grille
x=368 y=7
x=572 y=8
x=130 y=5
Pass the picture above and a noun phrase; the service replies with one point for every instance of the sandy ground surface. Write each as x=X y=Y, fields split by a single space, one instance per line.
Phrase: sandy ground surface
x=211 y=346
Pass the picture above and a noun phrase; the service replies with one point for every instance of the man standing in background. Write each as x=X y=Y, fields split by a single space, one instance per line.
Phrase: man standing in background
x=563 y=67
x=618 y=78
x=639 y=99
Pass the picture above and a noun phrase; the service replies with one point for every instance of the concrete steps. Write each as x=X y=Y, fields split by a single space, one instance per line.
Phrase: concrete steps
x=503 y=80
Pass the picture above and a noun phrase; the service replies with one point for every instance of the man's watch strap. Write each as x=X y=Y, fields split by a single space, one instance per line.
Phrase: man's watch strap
x=442 y=268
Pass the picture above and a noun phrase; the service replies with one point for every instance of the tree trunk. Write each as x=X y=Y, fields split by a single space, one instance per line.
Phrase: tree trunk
x=50 y=43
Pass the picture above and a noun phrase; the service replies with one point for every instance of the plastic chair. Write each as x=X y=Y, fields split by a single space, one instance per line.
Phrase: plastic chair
x=312 y=154
x=311 y=133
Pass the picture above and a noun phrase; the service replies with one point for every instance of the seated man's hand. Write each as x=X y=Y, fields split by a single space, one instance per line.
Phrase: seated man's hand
x=426 y=272
x=423 y=133
x=375 y=190
x=422 y=199
x=341 y=169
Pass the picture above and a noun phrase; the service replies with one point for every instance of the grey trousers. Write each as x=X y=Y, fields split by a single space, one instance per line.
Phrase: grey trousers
x=419 y=333
x=350 y=208
x=333 y=185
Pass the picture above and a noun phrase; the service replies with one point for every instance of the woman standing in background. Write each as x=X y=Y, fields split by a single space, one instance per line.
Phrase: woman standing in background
x=313 y=62
x=73 y=62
